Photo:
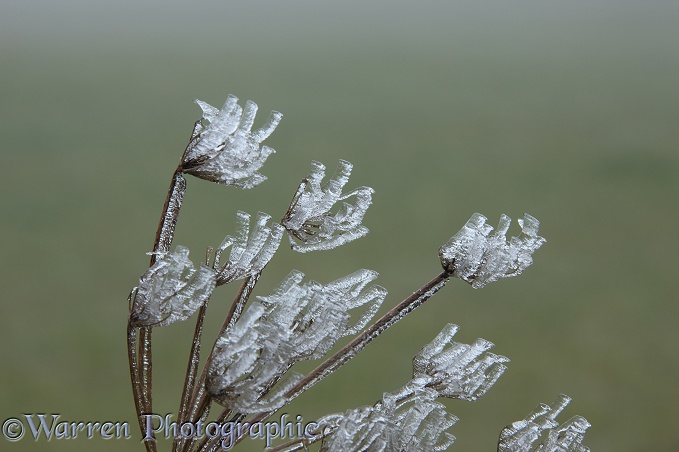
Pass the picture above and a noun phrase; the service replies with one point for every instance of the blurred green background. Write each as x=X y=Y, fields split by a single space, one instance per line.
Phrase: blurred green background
x=566 y=110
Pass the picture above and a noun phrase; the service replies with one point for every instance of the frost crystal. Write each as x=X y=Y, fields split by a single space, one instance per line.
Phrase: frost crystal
x=248 y=255
x=309 y=219
x=226 y=150
x=296 y=322
x=410 y=418
x=479 y=257
x=171 y=290
x=567 y=437
x=458 y=371
x=414 y=422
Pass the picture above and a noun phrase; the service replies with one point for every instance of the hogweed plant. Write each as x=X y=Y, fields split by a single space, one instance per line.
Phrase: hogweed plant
x=247 y=376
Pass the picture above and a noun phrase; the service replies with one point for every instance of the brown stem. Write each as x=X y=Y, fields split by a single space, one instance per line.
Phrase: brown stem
x=190 y=379
x=169 y=216
x=201 y=401
x=140 y=359
x=139 y=401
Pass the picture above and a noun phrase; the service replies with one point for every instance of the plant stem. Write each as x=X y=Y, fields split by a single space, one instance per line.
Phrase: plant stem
x=191 y=373
x=139 y=401
x=201 y=400
x=141 y=370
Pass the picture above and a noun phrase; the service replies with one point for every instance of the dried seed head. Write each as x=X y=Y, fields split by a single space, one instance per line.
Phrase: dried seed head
x=226 y=150
x=479 y=257
x=171 y=290
x=310 y=224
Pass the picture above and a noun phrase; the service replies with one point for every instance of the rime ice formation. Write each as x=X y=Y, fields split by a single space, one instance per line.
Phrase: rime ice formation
x=567 y=437
x=414 y=422
x=410 y=418
x=479 y=257
x=249 y=255
x=521 y=436
x=171 y=290
x=296 y=322
x=309 y=220
x=455 y=370
x=226 y=150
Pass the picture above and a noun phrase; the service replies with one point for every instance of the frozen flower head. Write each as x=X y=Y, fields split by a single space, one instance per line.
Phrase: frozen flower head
x=309 y=222
x=398 y=422
x=223 y=147
x=297 y=322
x=171 y=290
x=479 y=257
x=456 y=370
x=249 y=252
x=521 y=436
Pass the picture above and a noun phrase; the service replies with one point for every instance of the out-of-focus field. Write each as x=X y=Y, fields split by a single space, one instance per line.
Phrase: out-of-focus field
x=566 y=110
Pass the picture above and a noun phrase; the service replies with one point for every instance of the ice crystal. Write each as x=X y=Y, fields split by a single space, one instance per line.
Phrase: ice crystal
x=410 y=418
x=309 y=220
x=479 y=257
x=296 y=322
x=455 y=370
x=413 y=422
x=171 y=290
x=521 y=436
x=226 y=150
x=249 y=255
x=567 y=437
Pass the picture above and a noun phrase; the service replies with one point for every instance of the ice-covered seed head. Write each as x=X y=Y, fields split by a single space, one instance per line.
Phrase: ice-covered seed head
x=309 y=221
x=456 y=370
x=171 y=290
x=479 y=257
x=225 y=149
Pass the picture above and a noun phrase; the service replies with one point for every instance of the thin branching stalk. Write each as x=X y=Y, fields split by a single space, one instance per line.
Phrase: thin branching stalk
x=200 y=402
x=146 y=373
x=140 y=345
x=191 y=373
x=240 y=301
x=136 y=381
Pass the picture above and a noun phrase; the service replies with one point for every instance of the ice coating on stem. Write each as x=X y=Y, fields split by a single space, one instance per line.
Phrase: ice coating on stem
x=522 y=435
x=479 y=257
x=225 y=149
x=309 y=222
x=412 y=422
x=296 y=322
x=169 y=221
x=456 y=370
x=171 y=290
x=249 y=252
